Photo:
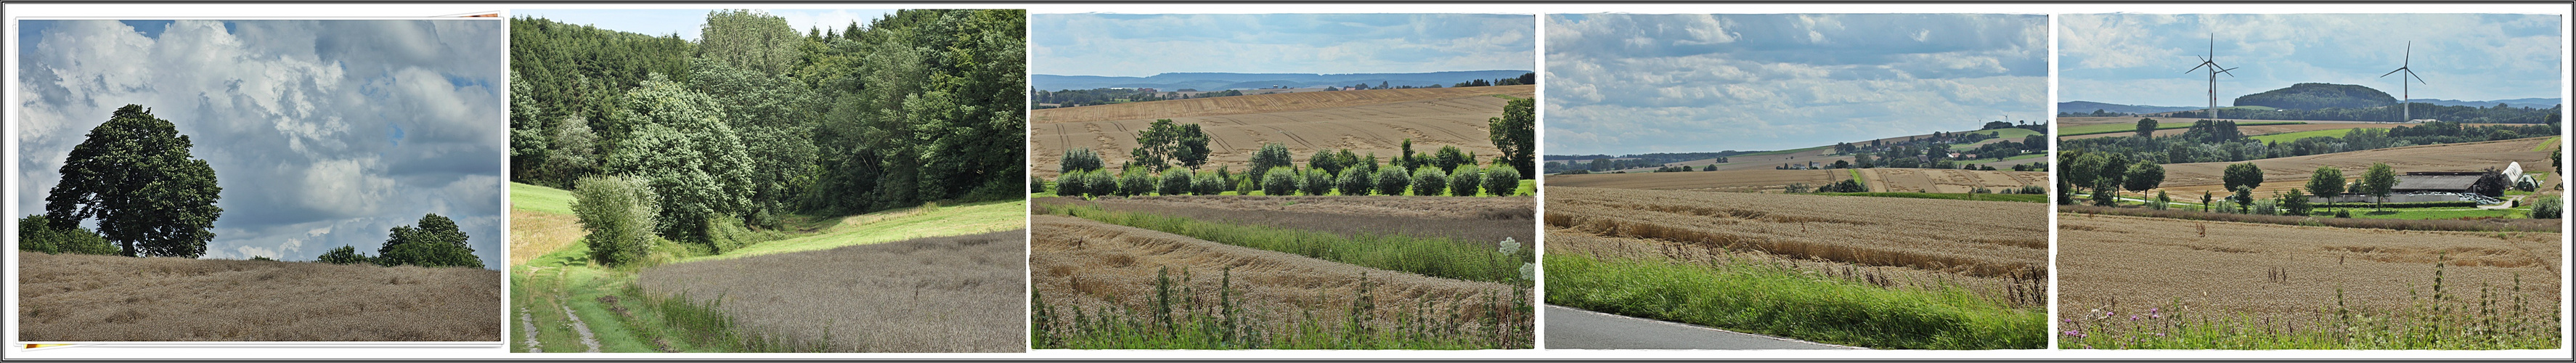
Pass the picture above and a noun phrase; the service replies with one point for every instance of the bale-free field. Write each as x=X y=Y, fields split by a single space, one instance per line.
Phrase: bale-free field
x=87 y=298
x=1363 y=121
x=2141 y=282
x=940 y=294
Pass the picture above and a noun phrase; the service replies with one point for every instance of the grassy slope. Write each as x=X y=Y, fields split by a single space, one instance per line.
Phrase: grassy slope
x=2546 y=145
x=536 y=198
x=2132 y=127
x=2295 y=136
x=897 y=225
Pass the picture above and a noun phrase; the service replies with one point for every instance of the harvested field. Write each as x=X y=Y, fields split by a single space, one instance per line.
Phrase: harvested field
x=1081 y=266
x=2260 y=130
x=942 y=294
x=86 y=298
x=1765 y=180
x=2281 y=174
x=1970 y=238
x=2285 y=273
x=1363 y=121
x=1949 y=180
x=1486 y=220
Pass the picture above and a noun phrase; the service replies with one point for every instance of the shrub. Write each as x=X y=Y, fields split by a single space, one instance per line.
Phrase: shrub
x=1429 y=181
x=1037 y=184
x=1079 y=159
x=1134 y=182
x=1354 y=181
x=1069 y=184
x=1244 y=184
x=433 y=242
x=1099 y=183
x=1502 y=180
x=1176 y=181
x=343 y=256
x=618 y=213
x=1391 y=180
x=1464 y=180
x=1279 y=180
x=36 y=234
x=1207 y=184
x=2547 y=207
x=1271 y=157
x=1316 y=182
x=726 y=234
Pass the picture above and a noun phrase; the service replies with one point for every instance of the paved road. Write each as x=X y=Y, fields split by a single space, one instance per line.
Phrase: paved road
x=1570 y=328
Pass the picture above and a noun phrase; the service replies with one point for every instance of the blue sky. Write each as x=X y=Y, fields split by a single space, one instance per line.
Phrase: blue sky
x=1628 y=83
x=685 y=22
x=2140 y=59
x=321 y=133
x=1145 y=45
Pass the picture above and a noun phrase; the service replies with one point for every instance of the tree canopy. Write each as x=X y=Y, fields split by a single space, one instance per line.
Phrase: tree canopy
x=136 y=176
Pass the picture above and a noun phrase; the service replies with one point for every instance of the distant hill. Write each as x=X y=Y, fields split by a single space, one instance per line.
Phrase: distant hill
x=1224 y=81
x=2518 y=102
x=2311 y=96
x=2090 y=106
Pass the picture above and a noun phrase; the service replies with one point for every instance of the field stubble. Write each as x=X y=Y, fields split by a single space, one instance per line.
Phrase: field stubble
x=1971 y=238
x=940 y=294
x=112 y=298
x=1479 y=220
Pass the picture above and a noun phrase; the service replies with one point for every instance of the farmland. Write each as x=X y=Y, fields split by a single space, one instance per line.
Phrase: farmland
x=1971 y=277
x=1768 y=160
x=776 y=295
x=2159 y=283
x=1363 y=121
x=1233 y=272
x=1768 y=180
x=2281 y=174
x=69 y=297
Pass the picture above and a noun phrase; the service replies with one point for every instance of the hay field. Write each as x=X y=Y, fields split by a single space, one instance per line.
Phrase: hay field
x=1728 y=181
x=1970 y=238
x=70 y=298
x=1082 y=265
x=1363 y=121
x=941 y=294
x=2281 y=174
x=1948 y=180
x=2128 y=264
x=1484 y=220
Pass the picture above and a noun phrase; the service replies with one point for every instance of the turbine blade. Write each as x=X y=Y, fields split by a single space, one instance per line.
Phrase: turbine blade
x=2399 y=69
x=2197 y=68
x=2418 y=79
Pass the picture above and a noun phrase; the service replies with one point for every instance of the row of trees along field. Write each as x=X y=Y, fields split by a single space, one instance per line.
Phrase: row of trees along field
x=2219 y=141
x=2107 y=174
x=1103 y=96
x=153 y=198
x=1168 y=157
x=1932 y=152
x=756 y=120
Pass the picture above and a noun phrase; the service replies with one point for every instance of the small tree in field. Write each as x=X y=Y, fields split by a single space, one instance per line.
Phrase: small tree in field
x=1135 y=181
x=2296 y=203
x=1176 y=181
x=1207 y=184
x=1354 y=181
x=1070 y=184
x=1099 y=183
x=1502 y=180
x=344 y=255
x=1429 y=181
x=2326 y=183
x=2379 y=182
x=2547 y=207
x=434 y=242
x=1465 y=180
x=1391 y=179
x=1271 y=157
x=618 y=214
x=1315 y=182
x=1279 y=181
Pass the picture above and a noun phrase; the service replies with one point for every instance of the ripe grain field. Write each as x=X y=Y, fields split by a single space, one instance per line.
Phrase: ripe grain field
x=1482 y=220
x=2230 y=285
x=1362 y=121
x=940 y=294
x=1099 y=285
x=83 y=298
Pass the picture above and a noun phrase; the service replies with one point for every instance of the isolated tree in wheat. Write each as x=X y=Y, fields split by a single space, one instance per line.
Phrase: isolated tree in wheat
x=134 y=174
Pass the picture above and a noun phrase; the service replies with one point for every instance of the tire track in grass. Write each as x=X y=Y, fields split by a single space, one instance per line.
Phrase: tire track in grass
x=577 y=326
x=528 y=329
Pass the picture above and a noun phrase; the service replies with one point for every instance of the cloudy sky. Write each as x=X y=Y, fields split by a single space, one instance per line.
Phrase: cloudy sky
x=321 y=133
x=1627 y=83
x=1145 y=45
x=2140 y=59
x=685 y=22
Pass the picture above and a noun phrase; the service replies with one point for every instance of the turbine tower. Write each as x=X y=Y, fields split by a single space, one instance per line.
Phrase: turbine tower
x=2211 y=62
x=2405 y=100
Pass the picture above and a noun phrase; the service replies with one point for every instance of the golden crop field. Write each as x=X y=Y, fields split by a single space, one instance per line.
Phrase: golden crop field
x=937 y=294
x=1948 y=180
x=2281 y=174
x=1732 y=181
x=1363 y=121
x=112 y=298
x=2259 y=130
x=1969 y=238
x=2130 y=264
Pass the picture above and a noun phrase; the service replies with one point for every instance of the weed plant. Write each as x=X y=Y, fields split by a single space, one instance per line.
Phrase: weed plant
x=1429 y=256
x=2498 y=318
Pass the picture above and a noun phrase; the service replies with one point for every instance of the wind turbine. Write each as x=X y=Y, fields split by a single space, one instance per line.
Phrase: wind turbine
x=2211 y=62
x=2406 y=101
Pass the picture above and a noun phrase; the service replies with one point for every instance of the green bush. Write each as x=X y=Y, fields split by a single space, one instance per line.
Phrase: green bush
x=1069 y=184
x=1391 y=180
x=1429 y=181
x=1207 y=184
x=343 y=256
x=1134 y=182
x=2548 y=207
x=1464 y=180
x=1099 y=183
x=1502 y=179
x=1079 y=159
x=727 y=234
x=36 y=234
x=1037 y=184
x=1244 y=184
x=1279 y=181
x=1316 y=182
x=1354 y=181
x=433 y=242
x=619 y=215
x=1176 y=181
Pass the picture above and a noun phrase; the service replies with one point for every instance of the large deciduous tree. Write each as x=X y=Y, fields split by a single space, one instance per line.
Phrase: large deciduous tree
x=434 y=242
x=1516 y=134
x=2242 y=175
x=691 y=158
x=2378 y=182
x=135 y=174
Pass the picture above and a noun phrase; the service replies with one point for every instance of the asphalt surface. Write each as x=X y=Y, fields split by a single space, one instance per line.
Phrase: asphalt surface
x=1570 y=328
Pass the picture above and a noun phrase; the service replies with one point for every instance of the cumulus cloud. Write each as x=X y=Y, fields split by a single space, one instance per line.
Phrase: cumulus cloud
x=322 y=133
x=2135 y=58
x=1784 y=81
x=1144 y=45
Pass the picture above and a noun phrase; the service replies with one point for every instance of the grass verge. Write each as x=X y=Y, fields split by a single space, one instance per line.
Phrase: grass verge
x=930 y=220
x=1772 y=300
x=1428 y=256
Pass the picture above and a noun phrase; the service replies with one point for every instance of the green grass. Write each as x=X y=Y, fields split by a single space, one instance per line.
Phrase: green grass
x=2443 y=213
x=1789 y=151
x=2544 y=146
x=2295 y=136
x=1429 y=256
x=541 y=199
x=2026 y=198
x=896 y=225
x=2009 y=158
x=2160 y=125
x=565 y=278
x=2497 y=318
x=1772 y=300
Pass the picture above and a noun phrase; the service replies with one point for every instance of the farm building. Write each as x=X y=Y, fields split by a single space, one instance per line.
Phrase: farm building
x=2437 y=181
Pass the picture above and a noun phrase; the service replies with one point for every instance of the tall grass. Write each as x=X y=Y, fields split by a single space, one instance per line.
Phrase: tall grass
x=2498 y=318
x=1775 y=300
x=1429 y=256
x=1180 y=318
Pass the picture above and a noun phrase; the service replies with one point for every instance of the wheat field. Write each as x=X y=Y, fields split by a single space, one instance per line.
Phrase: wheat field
x=87 y=298
x=940 y=294
x=1973 y=238
x=2120 y=263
